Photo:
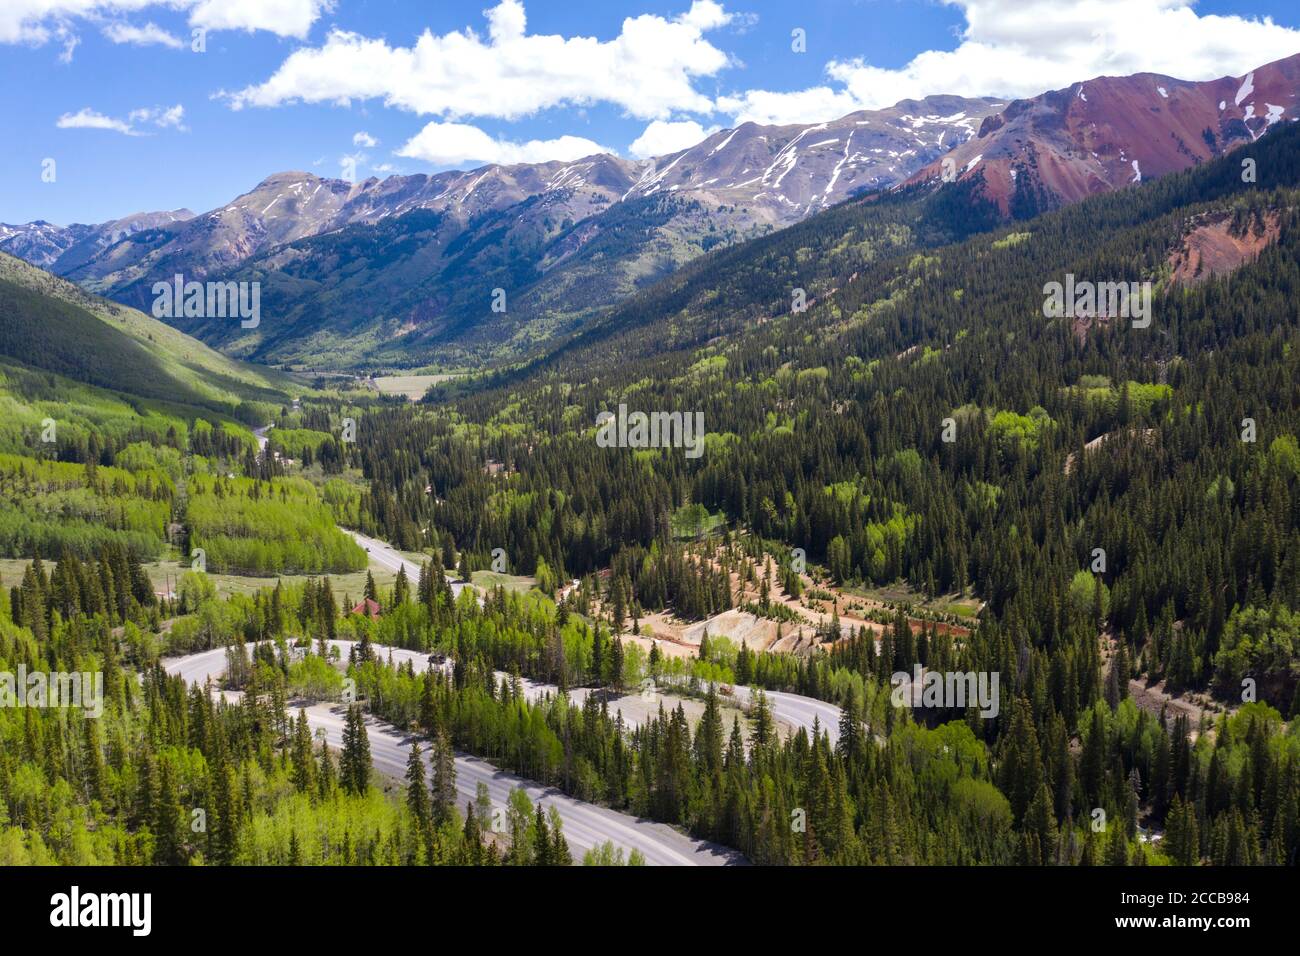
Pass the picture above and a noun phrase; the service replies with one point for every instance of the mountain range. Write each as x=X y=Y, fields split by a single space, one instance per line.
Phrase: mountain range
x=465 y=268
x=62 y=248
x=424 y=253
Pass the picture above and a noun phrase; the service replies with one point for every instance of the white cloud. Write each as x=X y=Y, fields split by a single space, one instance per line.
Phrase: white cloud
x=648 y=70
x=1018 y=48
x=452 y=144
x=70 y=42
x=286 y=18
x=706 y=15
x=86 y=118
x=146 y=35
x=364 y=139
x=37 y=21
x=164 y=117
x=801 y=106
x=161 y=117
x=662 y=137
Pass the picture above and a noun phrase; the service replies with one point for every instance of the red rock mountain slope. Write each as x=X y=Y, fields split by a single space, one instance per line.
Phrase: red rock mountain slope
x=1108 y=132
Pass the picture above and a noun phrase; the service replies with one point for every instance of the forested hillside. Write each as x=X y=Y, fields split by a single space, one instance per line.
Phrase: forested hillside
x=419 y=288
x=119 y=431
x=49 y=323
x=733 y=289
x=1101 y=512
x=1168 y=450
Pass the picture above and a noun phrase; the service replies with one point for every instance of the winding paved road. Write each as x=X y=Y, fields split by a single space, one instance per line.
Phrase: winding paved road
x=585 y=825
x=796 y=711
x=791 y=709
x=391 y=558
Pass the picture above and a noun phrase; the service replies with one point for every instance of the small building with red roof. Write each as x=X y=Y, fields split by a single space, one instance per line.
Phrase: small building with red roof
x=369 y=607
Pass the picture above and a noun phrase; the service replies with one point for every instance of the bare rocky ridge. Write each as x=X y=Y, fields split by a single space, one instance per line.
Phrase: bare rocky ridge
x=1108 y=132
x=1213 y=246
x=787 y=172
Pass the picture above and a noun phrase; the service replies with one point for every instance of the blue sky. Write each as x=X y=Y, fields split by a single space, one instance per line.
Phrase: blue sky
x=135 y=119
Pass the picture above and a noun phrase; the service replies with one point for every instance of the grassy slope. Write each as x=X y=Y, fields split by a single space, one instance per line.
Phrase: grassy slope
x=49 y=323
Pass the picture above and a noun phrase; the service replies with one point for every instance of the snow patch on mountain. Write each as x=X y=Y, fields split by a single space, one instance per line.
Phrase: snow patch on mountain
x=835 y=173
x=1247 y=87
x=723 y=145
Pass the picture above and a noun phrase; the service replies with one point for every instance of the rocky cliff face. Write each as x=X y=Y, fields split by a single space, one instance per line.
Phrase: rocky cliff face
x=1108 y=132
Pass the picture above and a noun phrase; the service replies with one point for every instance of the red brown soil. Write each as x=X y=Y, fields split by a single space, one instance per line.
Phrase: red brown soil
x=1071 y=143
x=1211 y=249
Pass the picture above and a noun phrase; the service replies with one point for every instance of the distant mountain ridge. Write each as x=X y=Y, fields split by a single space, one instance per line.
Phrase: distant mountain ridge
x=781 y=173
x=62 y=247
x=424 y=253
